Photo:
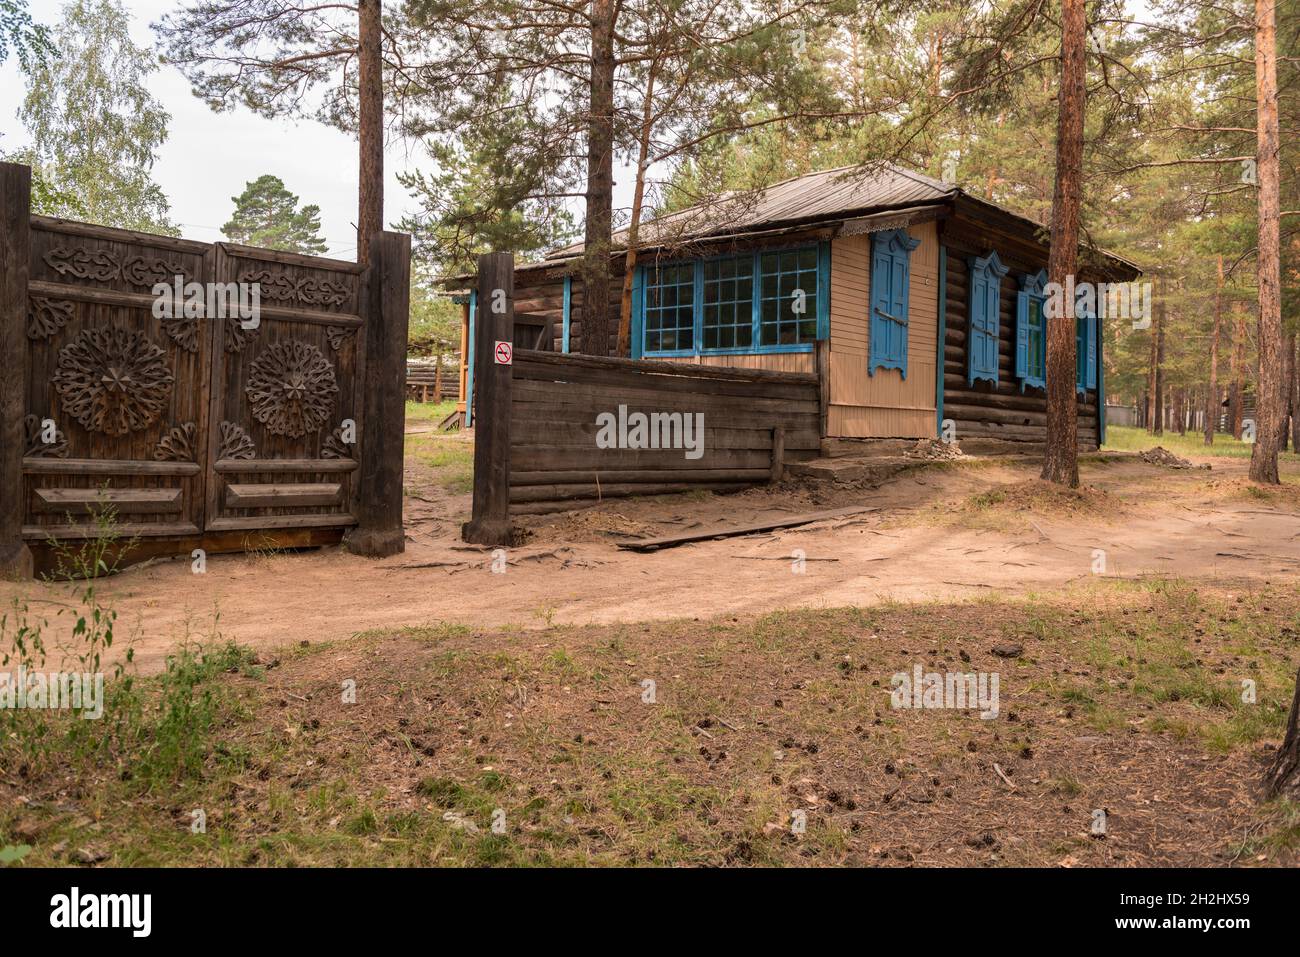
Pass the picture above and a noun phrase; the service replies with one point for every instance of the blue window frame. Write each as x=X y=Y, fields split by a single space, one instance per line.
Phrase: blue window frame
x=763 y=301
x=728 y=319
x=984 y=329
x=1031 y=332
x=670 y=300
x=788 y=297
x=891 y=276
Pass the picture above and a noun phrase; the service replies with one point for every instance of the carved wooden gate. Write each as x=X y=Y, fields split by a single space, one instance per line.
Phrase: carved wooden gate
x=286 y=407
x=199 y=430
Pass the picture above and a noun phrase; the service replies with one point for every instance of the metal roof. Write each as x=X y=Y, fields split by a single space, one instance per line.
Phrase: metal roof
x=826 y=194
x=847 y=193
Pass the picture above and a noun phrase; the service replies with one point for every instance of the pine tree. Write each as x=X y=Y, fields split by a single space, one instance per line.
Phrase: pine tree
x=273 y=57
x=267 y=215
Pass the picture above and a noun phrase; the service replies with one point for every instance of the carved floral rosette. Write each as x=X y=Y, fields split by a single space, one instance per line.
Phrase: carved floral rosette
x=336 y=447
x=291 y=388
x=235 y=443
x=47 y=316
x=113 y=380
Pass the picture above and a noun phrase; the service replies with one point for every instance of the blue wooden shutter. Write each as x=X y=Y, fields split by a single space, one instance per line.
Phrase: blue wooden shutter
x=823 y=291
x=890 y=279
x=638 y=312
x=982 y=340
x=898 y=308
x=882 y=270
x=1091 y=368
x=1101 y=383
x=1080 y=350
x=568 y=311
x=1022 y=337
x=976 y=339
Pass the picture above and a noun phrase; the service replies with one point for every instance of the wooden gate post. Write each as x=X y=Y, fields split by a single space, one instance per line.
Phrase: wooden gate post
x=15 y=253
x=495 y=323
x=379 y=531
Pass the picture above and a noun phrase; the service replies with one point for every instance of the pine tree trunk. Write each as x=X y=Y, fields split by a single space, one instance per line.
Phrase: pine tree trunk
x=1153 y=360
x=638 y=199
x=1268 y=402
x=597 y=327
x=1212 y=395
x=370 y=126
x=1283 y=777
x=1158 y=373
x=1061 y=455
x=1288 y=411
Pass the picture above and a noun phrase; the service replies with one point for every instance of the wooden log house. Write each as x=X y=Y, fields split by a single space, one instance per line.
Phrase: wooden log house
x=919 y=305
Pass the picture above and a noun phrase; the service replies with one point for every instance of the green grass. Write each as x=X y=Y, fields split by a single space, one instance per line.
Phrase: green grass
x=1120 y=438
x=449 y=454
x=424 y=414
x=452 y=458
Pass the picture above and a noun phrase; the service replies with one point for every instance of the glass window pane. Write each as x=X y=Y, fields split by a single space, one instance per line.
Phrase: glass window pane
x=734 y=305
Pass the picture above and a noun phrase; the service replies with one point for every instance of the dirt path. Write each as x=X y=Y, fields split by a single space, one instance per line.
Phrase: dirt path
x=938 y=533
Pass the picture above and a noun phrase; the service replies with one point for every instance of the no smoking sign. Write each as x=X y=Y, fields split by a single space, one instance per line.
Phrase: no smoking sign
x=504 y=353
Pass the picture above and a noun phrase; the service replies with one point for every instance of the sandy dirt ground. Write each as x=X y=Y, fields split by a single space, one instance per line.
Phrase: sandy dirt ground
x=936 y=532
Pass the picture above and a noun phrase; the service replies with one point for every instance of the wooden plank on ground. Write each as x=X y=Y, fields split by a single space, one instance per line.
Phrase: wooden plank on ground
x=669 y=541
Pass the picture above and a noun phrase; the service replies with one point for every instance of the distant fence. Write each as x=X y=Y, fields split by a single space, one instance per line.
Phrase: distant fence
x=430 y=380
x=559 y=431
x=1124 y=415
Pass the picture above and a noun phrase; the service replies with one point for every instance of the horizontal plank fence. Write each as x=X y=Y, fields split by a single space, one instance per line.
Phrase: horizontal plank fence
x=429 y=380
x=561 y=405
x=571 y=431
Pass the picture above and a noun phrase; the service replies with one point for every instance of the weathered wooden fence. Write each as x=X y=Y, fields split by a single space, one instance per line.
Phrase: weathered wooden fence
x=557 y=431
x=432 y=380
x=198 y=429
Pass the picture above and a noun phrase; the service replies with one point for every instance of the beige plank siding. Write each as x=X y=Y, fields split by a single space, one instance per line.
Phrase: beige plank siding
x=883 y=405
x=772 y=361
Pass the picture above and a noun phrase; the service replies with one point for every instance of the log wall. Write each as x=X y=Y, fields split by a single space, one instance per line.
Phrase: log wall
x=1003 y=410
